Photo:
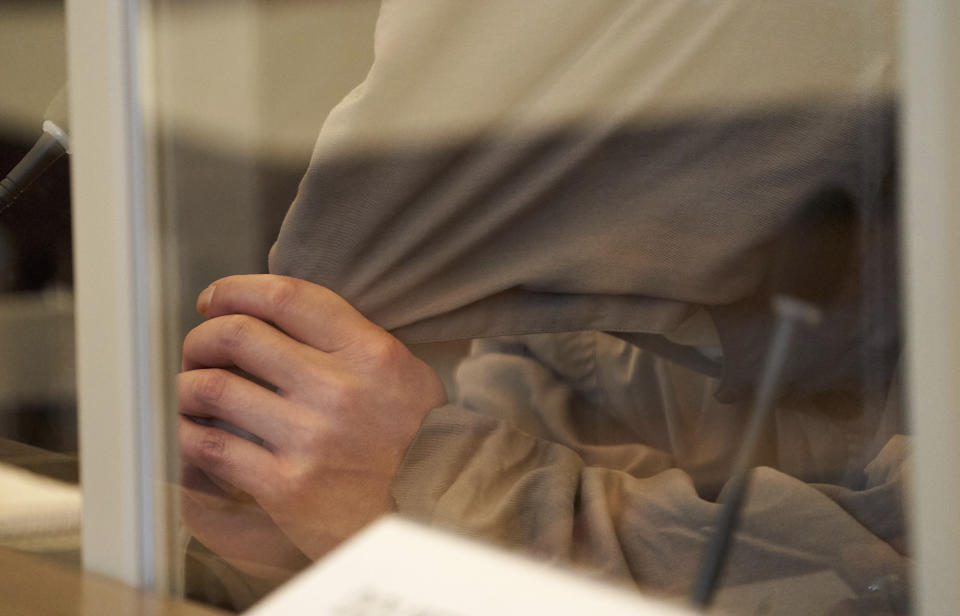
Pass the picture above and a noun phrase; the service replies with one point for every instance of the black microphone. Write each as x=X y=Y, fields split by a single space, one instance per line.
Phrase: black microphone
x=53 y=144
x=809 y=269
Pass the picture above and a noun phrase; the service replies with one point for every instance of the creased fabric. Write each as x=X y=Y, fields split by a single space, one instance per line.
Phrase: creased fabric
x=518 y=167
x=582 y=449
x=535 y=173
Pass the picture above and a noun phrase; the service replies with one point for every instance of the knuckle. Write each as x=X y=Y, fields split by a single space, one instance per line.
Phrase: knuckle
x=191 y=340
x=315 y=373
x=386 y=352
x=235 y=329
x=296 y=480
x=302 y=477
x=344 y=394
x=316 y=436
x=291 y=482
x=212 y=450
x=283 y=294
x=209 y=385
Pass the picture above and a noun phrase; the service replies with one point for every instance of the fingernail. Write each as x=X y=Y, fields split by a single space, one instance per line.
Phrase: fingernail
x=203 y=302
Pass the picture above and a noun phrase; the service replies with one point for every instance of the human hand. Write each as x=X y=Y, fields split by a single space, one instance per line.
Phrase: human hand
x=350 y=399
x=237 y=529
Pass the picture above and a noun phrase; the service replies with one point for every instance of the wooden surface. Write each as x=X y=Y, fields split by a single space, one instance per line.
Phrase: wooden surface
x=31 y=586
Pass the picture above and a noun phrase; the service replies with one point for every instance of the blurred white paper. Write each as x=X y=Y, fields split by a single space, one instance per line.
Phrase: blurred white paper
x=397 y=568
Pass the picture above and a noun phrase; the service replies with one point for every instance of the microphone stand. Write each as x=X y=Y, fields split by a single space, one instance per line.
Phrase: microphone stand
x=791 y=313
x=810 y=268
x=47 y=150
x=53 y=144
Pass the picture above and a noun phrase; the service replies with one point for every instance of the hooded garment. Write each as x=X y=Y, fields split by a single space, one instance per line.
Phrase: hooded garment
x=511 y=171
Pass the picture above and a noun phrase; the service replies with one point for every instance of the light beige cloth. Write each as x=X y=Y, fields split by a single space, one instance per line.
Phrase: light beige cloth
x=529 y=168
x=584 y=449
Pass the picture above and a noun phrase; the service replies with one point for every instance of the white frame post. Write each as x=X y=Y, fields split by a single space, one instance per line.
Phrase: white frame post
x=930 y=55
x=117 y=362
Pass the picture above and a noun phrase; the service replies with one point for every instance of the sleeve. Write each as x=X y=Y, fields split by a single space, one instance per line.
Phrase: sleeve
x=624 y=511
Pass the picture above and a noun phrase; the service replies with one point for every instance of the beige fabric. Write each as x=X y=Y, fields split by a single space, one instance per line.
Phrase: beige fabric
x=449 y=72
x=515 y=167
x=552 y=166
x=584 y=449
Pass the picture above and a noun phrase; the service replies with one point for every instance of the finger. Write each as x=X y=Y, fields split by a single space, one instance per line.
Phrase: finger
x=308 y=312
x=214 y=392
x=248 y=343
x=234 y=459
x=210 y=492
x=240 y=532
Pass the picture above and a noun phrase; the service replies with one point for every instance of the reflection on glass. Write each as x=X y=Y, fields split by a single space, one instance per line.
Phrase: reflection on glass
x=583 y=216
x=40 y=502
